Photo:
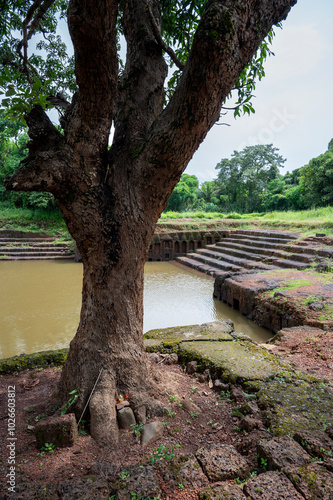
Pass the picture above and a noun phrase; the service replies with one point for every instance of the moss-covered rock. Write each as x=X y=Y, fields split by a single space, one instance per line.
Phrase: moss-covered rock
x=296 y=405
x=312 y=481
x=234 y=362
x=35 y=360
x=153 y=345
x=168 y=339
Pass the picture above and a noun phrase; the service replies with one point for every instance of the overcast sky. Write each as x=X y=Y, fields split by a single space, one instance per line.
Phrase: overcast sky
x=294 y=102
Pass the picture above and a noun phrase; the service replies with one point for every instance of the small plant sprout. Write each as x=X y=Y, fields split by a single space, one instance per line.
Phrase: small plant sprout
x=50 y=447
x=163 y=453
x=263 y=463
x=172 y=397
x=71 y=400
x=123 y=475
x=137 y=429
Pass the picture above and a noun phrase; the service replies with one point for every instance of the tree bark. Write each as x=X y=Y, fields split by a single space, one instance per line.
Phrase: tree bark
x=111 y=200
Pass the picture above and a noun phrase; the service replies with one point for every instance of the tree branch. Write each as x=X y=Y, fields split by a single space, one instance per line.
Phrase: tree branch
x=92 y=27
x=41 y=9
x=44 y=168
x=157 y=34
x=141 y=85
x=227 y=37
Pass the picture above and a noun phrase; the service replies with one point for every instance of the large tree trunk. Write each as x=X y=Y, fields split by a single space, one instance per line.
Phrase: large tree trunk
x=113 y=233
x=110 y=335
x=111 y=199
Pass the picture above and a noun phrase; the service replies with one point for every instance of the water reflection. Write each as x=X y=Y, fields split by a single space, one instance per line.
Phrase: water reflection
x=40 y=303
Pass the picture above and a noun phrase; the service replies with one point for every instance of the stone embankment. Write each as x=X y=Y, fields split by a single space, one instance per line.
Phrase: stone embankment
x=15 y=245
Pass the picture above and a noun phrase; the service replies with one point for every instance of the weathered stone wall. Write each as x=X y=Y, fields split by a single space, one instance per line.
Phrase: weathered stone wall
x=170 y=245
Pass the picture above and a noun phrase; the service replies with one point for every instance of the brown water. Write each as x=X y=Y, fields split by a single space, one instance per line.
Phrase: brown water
x=40 y=303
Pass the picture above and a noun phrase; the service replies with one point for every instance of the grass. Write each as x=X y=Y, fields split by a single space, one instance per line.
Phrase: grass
x=33 y=220
x=306 y=222
x=289 y=285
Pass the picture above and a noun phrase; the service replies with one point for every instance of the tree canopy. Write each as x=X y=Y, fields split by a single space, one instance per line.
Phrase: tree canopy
x=243 y=177
x=43 y=72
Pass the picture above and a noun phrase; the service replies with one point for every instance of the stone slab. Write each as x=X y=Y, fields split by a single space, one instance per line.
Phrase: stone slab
x=296 y=405
x=126 y=418
x=312 y=481
x=60 y=431
x=215 y=331
x=151 y=432
x=221 y=461
x=85 y=488
x=316 y=443
x=221 y=491
x=183 y=470
x=271 y=486
x=153 y=345
x=282 y=452
x=138 y=481
x=235 y=361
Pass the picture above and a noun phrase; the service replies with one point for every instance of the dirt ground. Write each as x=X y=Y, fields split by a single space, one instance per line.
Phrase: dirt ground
x=183 y=431
x=217 y=420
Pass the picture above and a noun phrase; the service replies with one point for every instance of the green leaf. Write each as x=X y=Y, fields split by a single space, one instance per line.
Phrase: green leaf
x=11 y=91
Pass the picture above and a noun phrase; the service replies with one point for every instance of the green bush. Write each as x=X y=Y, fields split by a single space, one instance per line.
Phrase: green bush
x=234 y=215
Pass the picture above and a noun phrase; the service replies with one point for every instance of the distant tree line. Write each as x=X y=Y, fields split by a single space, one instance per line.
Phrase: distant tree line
x=248 y=182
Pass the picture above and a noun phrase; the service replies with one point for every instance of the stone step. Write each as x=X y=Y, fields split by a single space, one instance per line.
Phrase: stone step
x=268 y=239
x=300 y=257
x=261 y=262
x=240 y=246
x=228 y=263
x=300 y=249
x=199 y=266
x=274 y=254
x=291 y=264
x=238 y=259
x=23 y=249
x=25 y=240
x=252 y=244
x=40 y=257
x=32 y=244
x=266 y=234
x=34 y=254
x=218 y=251
x=211 y=262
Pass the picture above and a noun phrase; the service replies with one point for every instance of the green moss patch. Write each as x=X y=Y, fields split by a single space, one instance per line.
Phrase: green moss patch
x=38 y=359
x=168 y=339
x=234 y=361
x=153 y=345
x=296 y=405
